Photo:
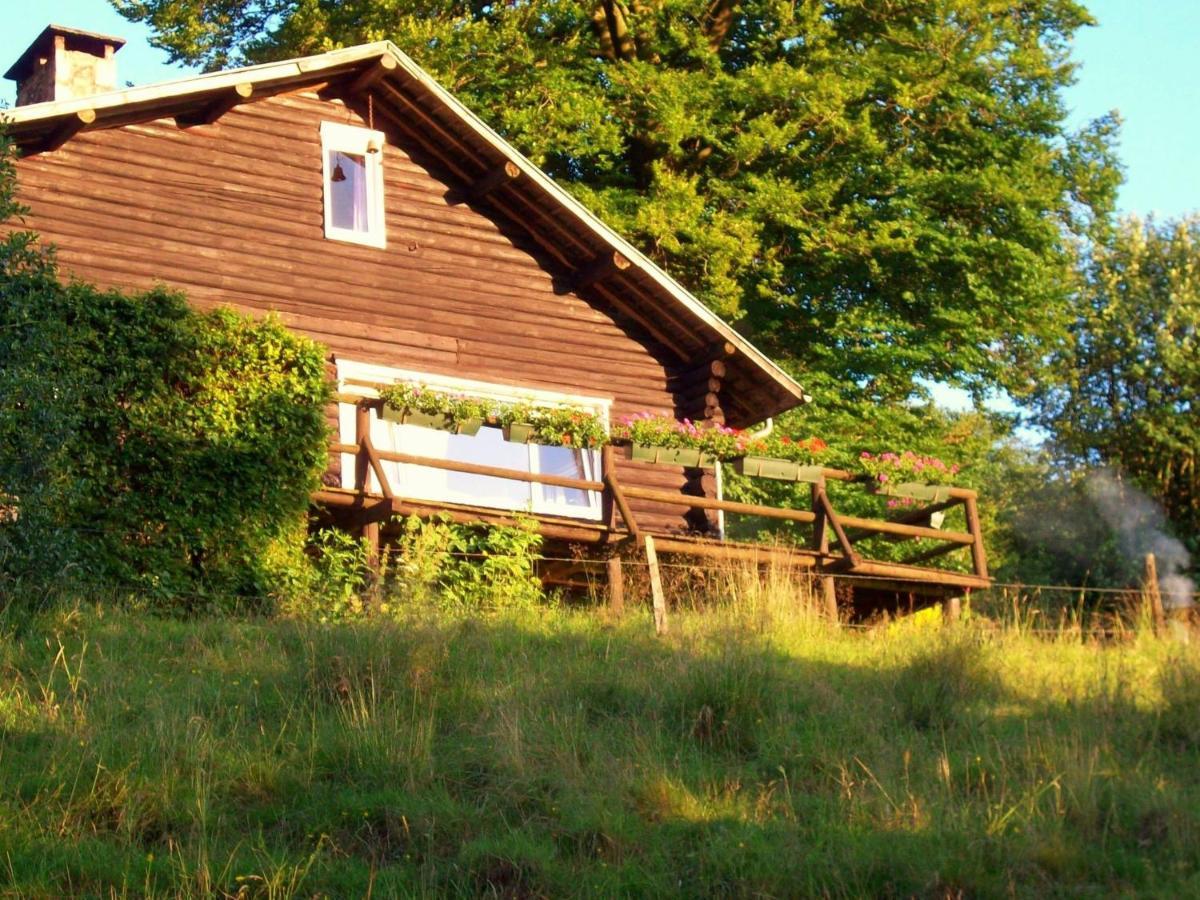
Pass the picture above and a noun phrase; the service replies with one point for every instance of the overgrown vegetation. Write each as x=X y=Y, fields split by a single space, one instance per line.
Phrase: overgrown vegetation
x=544 y=752
x=463 y=568
x=145 y=445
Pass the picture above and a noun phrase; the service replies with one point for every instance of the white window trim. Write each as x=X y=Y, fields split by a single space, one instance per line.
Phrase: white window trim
x=351 y=371
x=351 y=139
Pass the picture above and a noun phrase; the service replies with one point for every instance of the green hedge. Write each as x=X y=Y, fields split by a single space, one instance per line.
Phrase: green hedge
x=148 y=446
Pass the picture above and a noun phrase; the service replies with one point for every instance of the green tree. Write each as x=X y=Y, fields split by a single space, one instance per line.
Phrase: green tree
x=878 y=191
x=145 y=445
x=1128 y=383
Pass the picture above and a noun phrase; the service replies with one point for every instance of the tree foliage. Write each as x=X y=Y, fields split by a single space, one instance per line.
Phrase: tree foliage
x=878 y=191
x=144 y=444
x=1128 y=383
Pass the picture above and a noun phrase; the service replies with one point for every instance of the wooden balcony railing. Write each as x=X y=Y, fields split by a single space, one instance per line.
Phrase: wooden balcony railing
x=620 y=520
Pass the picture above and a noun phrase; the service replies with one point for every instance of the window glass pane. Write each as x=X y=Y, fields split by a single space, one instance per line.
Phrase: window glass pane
x=348 y=191
x=568 y=463
x=488 y=448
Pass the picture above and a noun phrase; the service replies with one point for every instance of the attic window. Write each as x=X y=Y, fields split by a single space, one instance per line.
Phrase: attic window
x=353 y=176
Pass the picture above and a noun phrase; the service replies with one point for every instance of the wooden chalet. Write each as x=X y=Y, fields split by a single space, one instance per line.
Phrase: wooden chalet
x=355 y=197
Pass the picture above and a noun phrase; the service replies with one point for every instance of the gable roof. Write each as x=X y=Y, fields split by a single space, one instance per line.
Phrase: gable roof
x=470 y=150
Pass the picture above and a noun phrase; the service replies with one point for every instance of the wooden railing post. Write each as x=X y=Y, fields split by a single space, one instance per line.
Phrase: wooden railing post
x=362 y=434
x=978 y=554
x=609 y=469
x=820 y=543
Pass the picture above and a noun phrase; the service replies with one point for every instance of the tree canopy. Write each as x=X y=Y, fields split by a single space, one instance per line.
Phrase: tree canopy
x=1127 y=384
x=877 y=191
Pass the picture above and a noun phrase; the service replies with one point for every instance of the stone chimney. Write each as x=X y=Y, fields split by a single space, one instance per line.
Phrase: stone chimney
x=63 y=63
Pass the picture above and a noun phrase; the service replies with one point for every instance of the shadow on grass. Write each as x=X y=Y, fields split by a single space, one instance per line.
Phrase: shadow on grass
x=554 y=756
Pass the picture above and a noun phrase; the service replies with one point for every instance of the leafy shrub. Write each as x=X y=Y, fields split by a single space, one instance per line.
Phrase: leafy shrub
x=469 y=566
x=333 y=585
x=148 y=445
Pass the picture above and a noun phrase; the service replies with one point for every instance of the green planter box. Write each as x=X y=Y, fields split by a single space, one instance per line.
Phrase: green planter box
x=436 y=421
x=779 y=469
x=669 y=456
x=519 y=433
x=913 y=490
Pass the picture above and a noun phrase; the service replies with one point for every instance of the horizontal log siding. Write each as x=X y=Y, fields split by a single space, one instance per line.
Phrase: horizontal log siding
x=232 y=214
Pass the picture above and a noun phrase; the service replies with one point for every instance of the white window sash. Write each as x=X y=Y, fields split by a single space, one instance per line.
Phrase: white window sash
x=336 y=137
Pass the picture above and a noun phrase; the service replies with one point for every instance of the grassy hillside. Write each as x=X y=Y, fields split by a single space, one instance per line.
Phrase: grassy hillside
x=753 y=752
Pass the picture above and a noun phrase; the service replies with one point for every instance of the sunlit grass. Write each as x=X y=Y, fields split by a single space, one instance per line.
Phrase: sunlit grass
x=753 y=751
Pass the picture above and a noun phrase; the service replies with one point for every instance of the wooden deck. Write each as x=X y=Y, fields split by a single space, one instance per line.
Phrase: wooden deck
x=832 y=551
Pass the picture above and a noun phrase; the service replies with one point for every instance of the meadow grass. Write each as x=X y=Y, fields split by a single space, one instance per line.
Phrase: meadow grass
x=754 y=751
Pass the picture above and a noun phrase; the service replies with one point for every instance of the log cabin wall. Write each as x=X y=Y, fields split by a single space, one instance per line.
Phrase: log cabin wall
x=232 y=213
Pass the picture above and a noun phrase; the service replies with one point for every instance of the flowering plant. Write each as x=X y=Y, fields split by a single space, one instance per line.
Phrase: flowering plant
x=907 y=466
x=780 y=446
x=410 y=397
x=561 y=426
x=662 y=431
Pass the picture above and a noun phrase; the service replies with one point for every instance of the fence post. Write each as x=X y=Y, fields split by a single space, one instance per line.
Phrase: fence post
x=656 y=589
x=616 y=586
x=1154 y=596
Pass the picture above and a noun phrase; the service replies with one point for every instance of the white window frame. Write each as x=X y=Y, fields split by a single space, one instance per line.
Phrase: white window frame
x=337 y=137
x=354 y=378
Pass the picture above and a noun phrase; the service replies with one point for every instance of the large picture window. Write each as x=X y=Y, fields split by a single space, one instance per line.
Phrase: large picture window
x=488 y=447
x=352 y=167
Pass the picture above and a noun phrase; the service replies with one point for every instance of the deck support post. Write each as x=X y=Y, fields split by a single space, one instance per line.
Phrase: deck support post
x=951 y=610
x=656 y=588
x=616 y=586
x=370 y=534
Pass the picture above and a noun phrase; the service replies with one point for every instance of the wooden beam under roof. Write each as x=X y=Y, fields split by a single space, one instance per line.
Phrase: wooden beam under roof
x=600 y=268
x=64 y=131
x=385 y=65
x=221 y=104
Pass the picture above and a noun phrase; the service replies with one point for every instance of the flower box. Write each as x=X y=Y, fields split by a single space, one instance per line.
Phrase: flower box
x=436 y=421
x=519 y=432
x=913 y=490
x=779 y=469
x=670 y=456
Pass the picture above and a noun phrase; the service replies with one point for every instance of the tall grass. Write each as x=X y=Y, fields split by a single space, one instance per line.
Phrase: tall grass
x=755 y=751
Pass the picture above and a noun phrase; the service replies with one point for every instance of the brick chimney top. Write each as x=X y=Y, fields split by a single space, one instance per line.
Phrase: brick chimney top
x=63 y=63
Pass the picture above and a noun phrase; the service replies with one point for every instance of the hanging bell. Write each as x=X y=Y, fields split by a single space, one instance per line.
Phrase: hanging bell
x=337 y=174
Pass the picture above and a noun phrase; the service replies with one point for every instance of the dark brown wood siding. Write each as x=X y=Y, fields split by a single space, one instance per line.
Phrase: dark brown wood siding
x=231 y=213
